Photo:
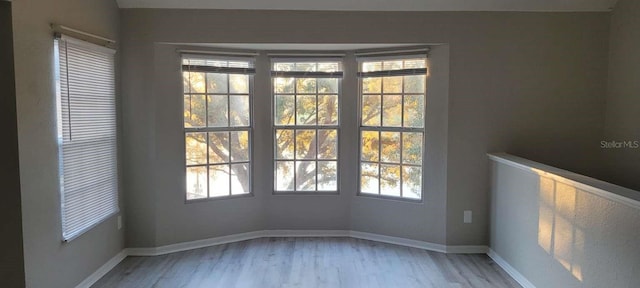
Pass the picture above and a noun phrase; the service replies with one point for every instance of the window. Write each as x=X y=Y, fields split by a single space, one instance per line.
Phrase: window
x=306 y=120
x=217 y=125
x=87 y=143
x=392 y=102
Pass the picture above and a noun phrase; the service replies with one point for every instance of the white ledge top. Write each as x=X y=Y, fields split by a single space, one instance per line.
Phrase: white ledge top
x=605 y=189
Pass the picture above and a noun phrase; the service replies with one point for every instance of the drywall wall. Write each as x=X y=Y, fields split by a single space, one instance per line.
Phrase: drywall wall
x=559 y=234
x=518 y=82
x=48 y=261
x=11 y=257
x=623 y=97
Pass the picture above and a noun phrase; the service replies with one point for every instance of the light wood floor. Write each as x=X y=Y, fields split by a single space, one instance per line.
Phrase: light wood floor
x=308 y=262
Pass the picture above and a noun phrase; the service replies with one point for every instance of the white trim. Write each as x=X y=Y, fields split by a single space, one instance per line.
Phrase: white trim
x=103 y=270
x=184 y=246
x=467 y=249
x=200 y=53
x=510 y=270
x=284 y=56
x=363 y=5
x=61 y=28
x=399 y=241
x=594 y=186
x=306 y=233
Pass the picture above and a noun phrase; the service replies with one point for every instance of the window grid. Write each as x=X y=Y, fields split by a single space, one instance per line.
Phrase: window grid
x=381 y=128
x=296 y=127
x=208 y=129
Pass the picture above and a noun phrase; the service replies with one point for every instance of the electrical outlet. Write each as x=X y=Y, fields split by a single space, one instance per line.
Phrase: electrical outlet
x=119 y=222
x=467 y=216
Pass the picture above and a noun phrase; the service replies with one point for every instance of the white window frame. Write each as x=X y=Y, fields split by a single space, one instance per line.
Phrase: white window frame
x=87 y=141
x=295 y=127
x=380 y=129
x=228 y=129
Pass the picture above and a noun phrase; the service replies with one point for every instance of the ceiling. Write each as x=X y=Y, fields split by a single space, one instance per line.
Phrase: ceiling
x=381 y=5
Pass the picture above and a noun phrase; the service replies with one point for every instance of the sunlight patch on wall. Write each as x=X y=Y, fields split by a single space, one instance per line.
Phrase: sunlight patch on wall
x=558 y=233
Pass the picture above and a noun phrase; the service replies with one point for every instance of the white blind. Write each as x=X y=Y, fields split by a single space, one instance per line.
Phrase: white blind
x=86 y=134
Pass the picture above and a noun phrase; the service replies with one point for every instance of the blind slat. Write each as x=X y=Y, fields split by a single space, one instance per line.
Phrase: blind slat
x=87 y=133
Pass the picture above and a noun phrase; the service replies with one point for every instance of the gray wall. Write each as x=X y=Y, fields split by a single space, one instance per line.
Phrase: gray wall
x=11 y=257
x=48 y=261
x=557 y=234
x=527 y=83
x=623 y=97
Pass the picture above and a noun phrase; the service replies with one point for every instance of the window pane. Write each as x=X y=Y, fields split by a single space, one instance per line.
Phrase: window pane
x=284 y=175
x=414 y=111
x=369 y=178
x=329 y=66
x=328 y=85
x=194 y=111
x=306 y=110
x=412 y=148
x=240 y=64
x=217 y=83
x=239 y=146
x=196 y=182
x=218 y=180
x=218 y=110
x=218 y=147
x=306 y=67
x=390 y=180
x=239 y=110
x=371 y=110
x=240 y=179
x=328 y=109
x=239 y=84
x=185 y=82
x=391 y=159
x=284 y=109
x=306 y=85
x=196 y=148
x=284 y=144
x=305 y=144
x=328 y=144
x=315 y=102
x=305 y=175
x=196 y=82
x=411 y=182
x=284 y=66
x=372 y=85
x=370 y=146
x=371 y=66
x=414 y=84
x=392 y=84
x=392 y=110
x=284 y=85
x=327 y=176
x=390 y=146
x=392 y=65
x=415 y=63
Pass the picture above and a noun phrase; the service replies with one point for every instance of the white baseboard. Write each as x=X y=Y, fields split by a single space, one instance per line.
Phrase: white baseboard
x=399 y=241
x=183 y=246
x=467 y=249
x=306 y=233
x=103 y=270
x=510 y=270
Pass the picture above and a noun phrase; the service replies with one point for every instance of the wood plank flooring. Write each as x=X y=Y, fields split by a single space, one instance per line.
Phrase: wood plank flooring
x=308 y=262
